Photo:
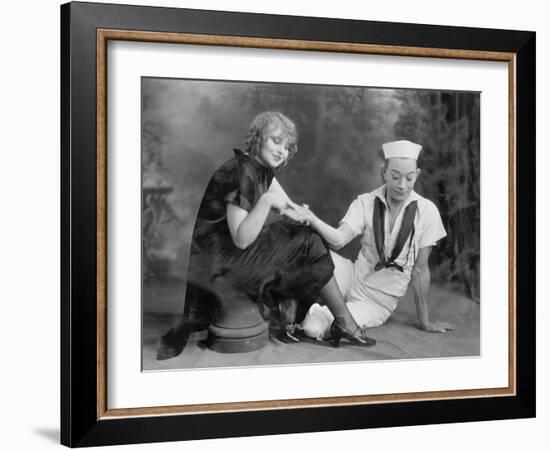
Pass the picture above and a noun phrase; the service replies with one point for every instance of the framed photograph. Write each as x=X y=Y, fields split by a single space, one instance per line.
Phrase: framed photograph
x=278 y=224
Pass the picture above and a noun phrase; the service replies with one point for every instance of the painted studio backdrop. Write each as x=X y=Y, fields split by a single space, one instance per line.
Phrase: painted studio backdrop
x=190 y=128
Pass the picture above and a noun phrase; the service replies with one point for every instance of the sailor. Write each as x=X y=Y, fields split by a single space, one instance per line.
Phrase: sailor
x=398 y=229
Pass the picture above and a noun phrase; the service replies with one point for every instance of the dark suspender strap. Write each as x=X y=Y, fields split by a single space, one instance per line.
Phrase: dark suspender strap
x=378 y=227
x=406 y=230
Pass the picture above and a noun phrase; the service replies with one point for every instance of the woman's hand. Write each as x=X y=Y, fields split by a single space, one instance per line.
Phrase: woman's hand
x=275 y=201
x=301 y=214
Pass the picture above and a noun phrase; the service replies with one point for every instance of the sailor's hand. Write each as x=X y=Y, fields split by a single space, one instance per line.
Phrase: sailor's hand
x=294 y=214
x=301 y=214
x=436 y=327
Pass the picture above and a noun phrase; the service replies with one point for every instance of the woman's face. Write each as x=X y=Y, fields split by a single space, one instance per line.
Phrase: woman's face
x=275 y=147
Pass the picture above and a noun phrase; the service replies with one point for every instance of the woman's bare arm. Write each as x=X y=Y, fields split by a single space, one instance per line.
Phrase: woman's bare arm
x=276 y=188
x=246 y=226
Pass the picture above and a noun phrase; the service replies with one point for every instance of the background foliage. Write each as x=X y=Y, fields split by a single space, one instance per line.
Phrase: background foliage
x=189 y=128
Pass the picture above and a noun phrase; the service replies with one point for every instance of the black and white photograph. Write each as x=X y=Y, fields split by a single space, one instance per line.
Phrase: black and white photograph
x=275 y=225
x=303 y=223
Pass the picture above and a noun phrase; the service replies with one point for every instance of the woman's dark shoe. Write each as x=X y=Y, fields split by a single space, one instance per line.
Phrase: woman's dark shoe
x=289 y=334
x=288 y=337
x=173 y=343
x=357 y=337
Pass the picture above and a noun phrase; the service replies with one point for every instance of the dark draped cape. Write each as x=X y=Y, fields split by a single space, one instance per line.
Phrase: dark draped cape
x=290 y=258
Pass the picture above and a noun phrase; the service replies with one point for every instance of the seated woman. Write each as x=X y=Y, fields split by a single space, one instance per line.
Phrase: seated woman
x=231 y=236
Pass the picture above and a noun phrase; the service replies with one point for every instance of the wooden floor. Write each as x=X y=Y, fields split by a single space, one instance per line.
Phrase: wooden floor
x=397 y=339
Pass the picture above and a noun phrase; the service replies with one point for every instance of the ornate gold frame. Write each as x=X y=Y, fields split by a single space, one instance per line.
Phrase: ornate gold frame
x=105 y=35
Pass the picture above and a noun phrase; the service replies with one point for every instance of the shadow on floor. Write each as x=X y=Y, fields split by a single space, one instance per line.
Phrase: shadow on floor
x=50 y=434
x=399 y=338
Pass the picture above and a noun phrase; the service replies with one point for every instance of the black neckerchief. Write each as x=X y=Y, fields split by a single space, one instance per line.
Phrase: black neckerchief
x=407 y=228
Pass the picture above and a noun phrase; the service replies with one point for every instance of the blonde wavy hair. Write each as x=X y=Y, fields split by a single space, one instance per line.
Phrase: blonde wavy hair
x=262 y=124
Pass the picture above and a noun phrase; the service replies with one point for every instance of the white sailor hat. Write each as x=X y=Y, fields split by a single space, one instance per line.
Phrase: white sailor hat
x=401 y=149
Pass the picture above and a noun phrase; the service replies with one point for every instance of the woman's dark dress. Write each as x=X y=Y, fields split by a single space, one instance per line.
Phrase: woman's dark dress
x=291 y=258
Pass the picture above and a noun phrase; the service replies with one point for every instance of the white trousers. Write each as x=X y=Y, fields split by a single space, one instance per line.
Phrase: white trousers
x=372 y=309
